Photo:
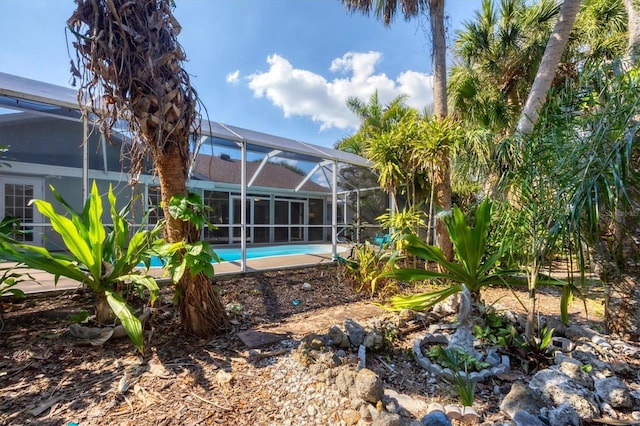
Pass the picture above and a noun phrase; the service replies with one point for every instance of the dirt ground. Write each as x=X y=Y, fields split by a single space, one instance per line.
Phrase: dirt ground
x=47 y=377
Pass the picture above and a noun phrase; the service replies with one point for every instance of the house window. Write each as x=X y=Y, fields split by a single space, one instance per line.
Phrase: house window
x=15 y=197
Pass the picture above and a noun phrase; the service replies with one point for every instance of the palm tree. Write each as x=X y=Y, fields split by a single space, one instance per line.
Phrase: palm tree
x=385 y=137
x=546 y=71
x=386 y=10
x=497 y=55
x=375 y=118
x=130 y=65
x=600 y=32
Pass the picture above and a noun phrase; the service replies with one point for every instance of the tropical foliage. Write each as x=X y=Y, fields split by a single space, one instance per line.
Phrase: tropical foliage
x=472 y=267
x=102 y=259
x=185 y=257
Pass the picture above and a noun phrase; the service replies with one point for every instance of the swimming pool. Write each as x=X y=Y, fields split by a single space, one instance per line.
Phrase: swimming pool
x=234 y=254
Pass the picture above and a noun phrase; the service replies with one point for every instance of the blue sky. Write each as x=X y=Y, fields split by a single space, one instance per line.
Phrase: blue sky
x=284 y=67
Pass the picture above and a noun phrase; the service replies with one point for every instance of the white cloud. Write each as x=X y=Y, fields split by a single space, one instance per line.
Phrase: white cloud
x=300 y=92
x=232 y=77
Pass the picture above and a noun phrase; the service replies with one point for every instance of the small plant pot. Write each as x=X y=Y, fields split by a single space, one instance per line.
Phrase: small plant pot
x=469 y=416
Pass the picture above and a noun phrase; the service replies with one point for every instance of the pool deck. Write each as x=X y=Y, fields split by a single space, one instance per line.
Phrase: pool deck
x=44 y=282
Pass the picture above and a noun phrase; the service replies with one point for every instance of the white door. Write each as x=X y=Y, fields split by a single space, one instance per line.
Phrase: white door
x=15 y=195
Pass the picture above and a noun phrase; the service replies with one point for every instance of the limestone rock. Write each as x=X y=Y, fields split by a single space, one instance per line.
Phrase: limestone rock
x=576 y=373
x=559 y=388
x=368 y=386
x=355 y=332
x=521 y=398
x=386 y=419
x=522 y=418
x=350 y=417
x=412 y=405
x=373 y=340
x=338 y=337
x=345 y=381
x=613 y=391
x=563 y=415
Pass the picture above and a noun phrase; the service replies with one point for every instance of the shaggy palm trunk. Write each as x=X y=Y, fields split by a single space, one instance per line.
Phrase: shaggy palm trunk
x=134 y=74
x=443 y=171
x=201 y=310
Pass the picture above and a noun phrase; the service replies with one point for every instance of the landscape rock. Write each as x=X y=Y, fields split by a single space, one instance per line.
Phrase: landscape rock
x=521 y=398
x=355 y=332
x=345 y=382
x=338 y=337
x=350 y=417
x=386 y=419
x=447 y=307
x=373 y=340
x=562 y=343
x=608 y=410
x=415 y=407
x=522 y=418
x=368 y=386
x=563 y=415
x=576 y=373
x=613 y=391
x=559 y=388
x=577 y=331
x=559 y=328
x=435 y=418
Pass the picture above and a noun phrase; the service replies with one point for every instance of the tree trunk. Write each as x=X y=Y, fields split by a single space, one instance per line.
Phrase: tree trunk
x=443 y=171
x=633 y=20
x=548 y=66
x=443 y=199
x=439 y=55
x=622 y=306
x=137 y=68
x=201 y=310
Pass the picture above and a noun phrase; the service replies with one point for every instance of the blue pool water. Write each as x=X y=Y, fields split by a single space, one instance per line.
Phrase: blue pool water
x=233 y=254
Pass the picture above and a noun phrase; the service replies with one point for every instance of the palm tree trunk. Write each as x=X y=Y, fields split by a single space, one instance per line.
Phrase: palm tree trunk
x=138 y=67
x=548 y=66
x=436 y=20
x=443 y=172
x=633 y=19
x=201 y=310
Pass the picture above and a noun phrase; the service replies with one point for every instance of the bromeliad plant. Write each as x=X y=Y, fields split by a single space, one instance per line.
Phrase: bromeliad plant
x=473 y=267
x=100 y=258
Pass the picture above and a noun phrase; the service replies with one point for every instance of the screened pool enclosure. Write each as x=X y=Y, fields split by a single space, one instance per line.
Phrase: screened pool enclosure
x=262 y=189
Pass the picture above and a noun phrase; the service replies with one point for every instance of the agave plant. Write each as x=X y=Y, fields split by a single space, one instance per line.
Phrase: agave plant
x=472 y=266
x=101 y=260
